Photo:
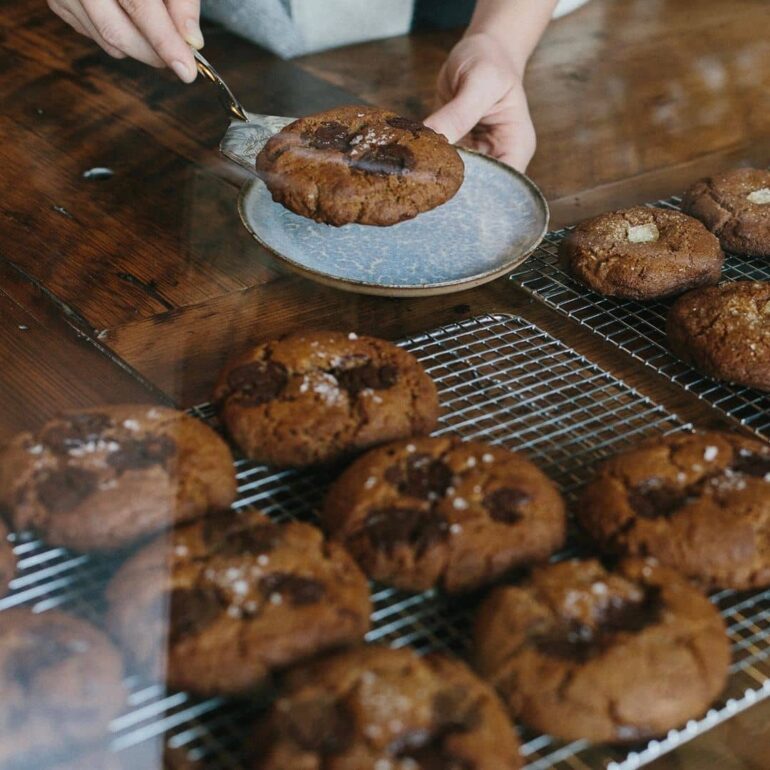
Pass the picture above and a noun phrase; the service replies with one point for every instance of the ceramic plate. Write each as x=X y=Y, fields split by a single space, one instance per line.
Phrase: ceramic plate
x=491 y=225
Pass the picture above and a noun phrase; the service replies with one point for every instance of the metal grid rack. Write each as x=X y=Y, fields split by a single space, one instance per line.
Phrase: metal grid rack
x=505 y=381
x=639 y=327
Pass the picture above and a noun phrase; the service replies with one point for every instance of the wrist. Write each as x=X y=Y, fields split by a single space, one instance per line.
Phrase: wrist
x=501 y=48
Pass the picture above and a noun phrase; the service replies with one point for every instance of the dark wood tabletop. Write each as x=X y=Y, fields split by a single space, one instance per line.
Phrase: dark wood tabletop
x=137 y=287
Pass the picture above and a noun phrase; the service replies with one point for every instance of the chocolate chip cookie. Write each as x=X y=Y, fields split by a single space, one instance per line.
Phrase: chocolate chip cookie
x=697 y=502
x=735 y=206
x=642 y=253
x=60 y=685
x=372 y=708
x=359 y=164
x=622 y=656
x=724 y=332
x=440 y=511
x=103 y=478
x=235 y=597
x=7 y=560
x=317 y=397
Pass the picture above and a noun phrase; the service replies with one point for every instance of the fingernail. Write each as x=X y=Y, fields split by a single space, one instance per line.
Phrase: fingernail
x=194 y=36
x=183 y=71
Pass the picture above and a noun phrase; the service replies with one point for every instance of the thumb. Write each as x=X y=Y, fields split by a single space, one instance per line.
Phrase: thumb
x=459 y=115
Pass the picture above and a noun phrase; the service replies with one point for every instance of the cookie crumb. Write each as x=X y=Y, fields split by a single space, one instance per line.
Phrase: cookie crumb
x=710 y=453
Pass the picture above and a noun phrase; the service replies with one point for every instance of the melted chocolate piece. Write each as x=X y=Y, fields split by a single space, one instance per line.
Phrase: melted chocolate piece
x=39 y=653
x=77 y=430
x=320 y=725
x=653 y=498
x=329 y=135
x=297 y=589
x=386 y=160
x=423 y=477
x=359 y=378
x=579 y=643
x=191 y=610
x=233 y=538
x=752 y=464
x=139 y=454
x=258 y=382
x=388 y=528
x=62 y=490
x=505 y=504
x=407 y=124
x=453 y=710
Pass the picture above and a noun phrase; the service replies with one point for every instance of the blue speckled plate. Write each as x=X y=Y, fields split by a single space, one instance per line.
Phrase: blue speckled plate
x=491 y=225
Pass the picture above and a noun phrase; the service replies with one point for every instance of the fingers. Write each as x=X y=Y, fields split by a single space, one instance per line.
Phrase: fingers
x=476 y=92
x=114 y=26
x=78 y=19
x=186 y=17
x=152 y=19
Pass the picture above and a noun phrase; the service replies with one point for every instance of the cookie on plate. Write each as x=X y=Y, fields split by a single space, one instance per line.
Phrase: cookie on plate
x=642 y=253
x=374 y=707
x=60 y=686
x=7 y=560
x=235 y=597
x=724 y=332
x=102 y=478
x=359 y=164
x=735 y=206
x=622 y=656
x=444 y=512
x=697 y=502
x=318 y=397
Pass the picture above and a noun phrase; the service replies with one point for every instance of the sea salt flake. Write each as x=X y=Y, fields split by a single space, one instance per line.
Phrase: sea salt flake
x=460 y=503
x=263 y=560
x=181 y=550
x=241 y=587
x=710 y=453
x=234 y=612
x=35 y=449
x=761 y=196
x=599 y=589
x=471 y=462
x=352 y=336
x=411 y=448
x=153 y=413
x=131 y=425
x=643 y=233
x=370 y=482
x=766 y=477
x=455 y=529
x=487 y=457
x=276 y=599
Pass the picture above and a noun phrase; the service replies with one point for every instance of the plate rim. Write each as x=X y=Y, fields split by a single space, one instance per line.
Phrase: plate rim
x=405 y=290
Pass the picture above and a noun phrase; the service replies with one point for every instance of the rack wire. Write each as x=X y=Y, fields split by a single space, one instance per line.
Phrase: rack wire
x=638 y=328
x=501 y=380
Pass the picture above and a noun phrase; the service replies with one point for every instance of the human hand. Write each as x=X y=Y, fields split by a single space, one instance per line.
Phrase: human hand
x=483 y=101
x=153 y=31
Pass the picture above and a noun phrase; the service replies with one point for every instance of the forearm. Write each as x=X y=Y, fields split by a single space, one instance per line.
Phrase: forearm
x=518 y=25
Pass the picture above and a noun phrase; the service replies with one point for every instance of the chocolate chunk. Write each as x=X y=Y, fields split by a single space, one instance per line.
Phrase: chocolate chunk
x=505 y=504
x=366 y=376
x=437 y=757
x=752 y=464
x=632 y=616
x=38 y=653
x=388 y=528
x=386 y=160
x=654 y=498
x=323 y=725
x=572 y=641
x=75 y=431
x=62 y=490
x=330 y=135
x=407 y=124
x=297 y=589
x=227 y=536
x=258 y=382
x=139 y=454
x=454 y=710
x=423 y=477
x=191 y=610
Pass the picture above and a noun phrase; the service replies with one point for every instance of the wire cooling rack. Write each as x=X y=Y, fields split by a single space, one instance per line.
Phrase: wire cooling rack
x=502 y=380
x=639 y=327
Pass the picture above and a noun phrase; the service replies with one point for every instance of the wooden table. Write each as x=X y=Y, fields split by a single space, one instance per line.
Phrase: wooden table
x=138 y=286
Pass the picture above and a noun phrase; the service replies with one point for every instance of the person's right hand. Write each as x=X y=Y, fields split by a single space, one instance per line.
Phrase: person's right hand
x=153 y=31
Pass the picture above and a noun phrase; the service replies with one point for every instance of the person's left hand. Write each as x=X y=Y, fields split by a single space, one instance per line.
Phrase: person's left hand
x=483 y=102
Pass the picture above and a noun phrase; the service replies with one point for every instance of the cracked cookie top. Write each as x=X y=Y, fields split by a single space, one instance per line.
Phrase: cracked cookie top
x=724 y=331
x=240 y=590
x=105 y=477
x=642 y=253
x=443 y=512
x=735 y=206
x=374 y=707
x=582 y=652
x=698 y=502
x=317 y=397
x=359 y=164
